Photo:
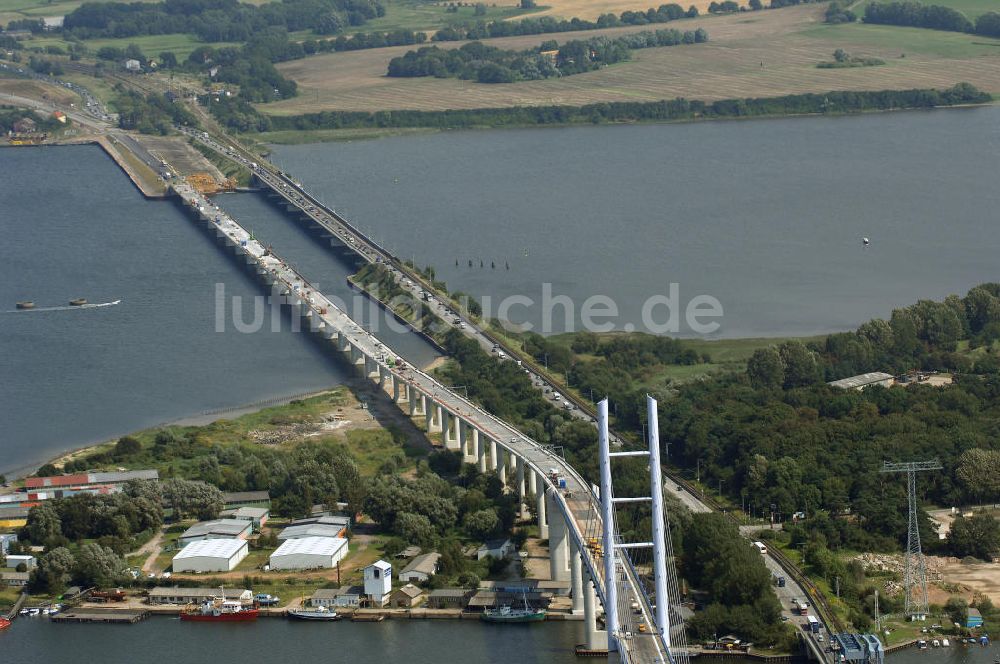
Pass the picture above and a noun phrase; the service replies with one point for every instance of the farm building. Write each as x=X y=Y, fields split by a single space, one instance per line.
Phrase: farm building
x=217 y=529
x=498 y=548
x=346 y=596
x=309 y=553
x=421 y=568
x=406 y=597
x=323 y=520
x=311 y=530
x=196 y=595
x=211 y=555
x=258 y=516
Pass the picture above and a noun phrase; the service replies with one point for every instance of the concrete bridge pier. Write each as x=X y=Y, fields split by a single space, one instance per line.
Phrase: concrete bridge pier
x=343 y=345
x=540 y=507
x=558 y=541
x=463 y=442
x=595 y=639
x=519 y=470
x=411 y=396
x=576 y=579
x=480 y=441
x=494 y=451
x=396 y=398
x=383 y=376
x=502 y=465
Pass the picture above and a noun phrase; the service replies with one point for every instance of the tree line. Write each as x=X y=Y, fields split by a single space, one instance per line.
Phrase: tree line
x=215 y=20
x=241 y=116
x=488 y=64
x=936 y=17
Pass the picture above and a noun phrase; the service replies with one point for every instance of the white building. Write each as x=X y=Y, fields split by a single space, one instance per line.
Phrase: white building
x=498 y=548
x=197 y=595
x=214 y=555
x=30 y=562
x=862 y=381
x=133 y=65
x=311 y=530
x=309 y=553
x=378 y=582
x=217 y=529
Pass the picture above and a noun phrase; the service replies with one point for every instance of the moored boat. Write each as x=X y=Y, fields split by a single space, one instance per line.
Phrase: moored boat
x=508 y=614
x=317 y=613
x=220 y=610
x=4 y=624
x=25 y=304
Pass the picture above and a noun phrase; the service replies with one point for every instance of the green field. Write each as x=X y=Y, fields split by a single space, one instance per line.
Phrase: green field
x=933 y=43
x=971 y=8
x=151 y=45
x=408 y=15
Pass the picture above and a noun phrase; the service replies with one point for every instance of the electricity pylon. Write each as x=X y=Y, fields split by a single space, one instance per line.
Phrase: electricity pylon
x=915 y=569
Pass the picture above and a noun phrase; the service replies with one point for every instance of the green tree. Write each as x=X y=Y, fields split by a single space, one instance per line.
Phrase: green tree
x=482 y=524
x=979 y=472
x=98 y=565
x=53 y=571
x=43 y=523
x=801 y=368
x=127 y=446
x=977 y=536
x=415 y=528
x=766 y=369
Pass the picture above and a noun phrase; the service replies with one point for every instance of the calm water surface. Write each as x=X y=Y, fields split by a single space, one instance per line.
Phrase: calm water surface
x=766 y=216
x=72 y=225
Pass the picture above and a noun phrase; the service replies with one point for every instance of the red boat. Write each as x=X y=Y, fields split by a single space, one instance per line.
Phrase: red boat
x=4 y=623
x=220 y=610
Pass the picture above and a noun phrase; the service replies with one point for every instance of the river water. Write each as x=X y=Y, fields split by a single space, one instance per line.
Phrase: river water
x=160 y=638
x=72 y=225
x=766 y=216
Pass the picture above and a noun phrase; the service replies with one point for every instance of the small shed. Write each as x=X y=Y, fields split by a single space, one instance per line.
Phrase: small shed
x=406 y=597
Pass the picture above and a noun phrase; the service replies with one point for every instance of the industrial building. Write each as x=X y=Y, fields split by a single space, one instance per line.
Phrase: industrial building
x=309 y=553
x=217 y=529
x=421 y=568
x=196 y=595
x=29 y=562
x=862 y=381
x=864 y=648
x=246 y=499
x=449 y=598
x=324 y=520
x=211 y=555
x=345 y=596
x=6 y=539
x=378 y=583
x=312 y=530
x=257 y=516
x=89 y=479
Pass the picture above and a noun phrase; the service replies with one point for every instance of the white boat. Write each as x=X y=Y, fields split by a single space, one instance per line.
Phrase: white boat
x=317 y=613
x=865 y=241
x=34 y=612
x=945 y=642
x=936 y=643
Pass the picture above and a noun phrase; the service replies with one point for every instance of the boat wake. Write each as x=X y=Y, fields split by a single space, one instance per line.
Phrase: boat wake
x=96 y=305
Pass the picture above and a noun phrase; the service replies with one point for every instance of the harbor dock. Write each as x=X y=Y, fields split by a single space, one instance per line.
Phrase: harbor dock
x=88 y=615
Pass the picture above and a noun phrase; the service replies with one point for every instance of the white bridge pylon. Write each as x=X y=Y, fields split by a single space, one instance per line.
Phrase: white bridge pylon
x=617 y=565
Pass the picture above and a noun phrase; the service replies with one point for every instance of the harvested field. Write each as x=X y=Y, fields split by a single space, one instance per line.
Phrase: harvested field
x=591 y=9
x=35 y=90
x=789 y=42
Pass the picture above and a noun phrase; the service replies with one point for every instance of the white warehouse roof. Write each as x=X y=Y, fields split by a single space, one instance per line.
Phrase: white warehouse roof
x=212 y=548
x=316 y=546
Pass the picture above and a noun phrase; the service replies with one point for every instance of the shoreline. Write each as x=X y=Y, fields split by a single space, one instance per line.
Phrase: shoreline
x=199 y=419
x=350 y=134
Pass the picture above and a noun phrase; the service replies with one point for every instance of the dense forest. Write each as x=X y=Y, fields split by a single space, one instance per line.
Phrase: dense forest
x=782 y=440
x=935 y=17
x=240 y=116
x=150 y=114
x=488 y=64
x=216 y=20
